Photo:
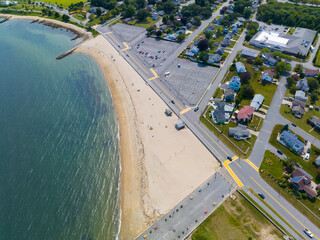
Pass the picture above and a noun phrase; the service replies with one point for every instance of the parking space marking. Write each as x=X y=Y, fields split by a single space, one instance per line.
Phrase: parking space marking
x=225 y=163
x=179 y=106
x=234 y=158
x=185 y=110
x=211 y=138
x=127 y=47
x=139 y=65
x=154 y=73
x=252 y=165
x=282 y=206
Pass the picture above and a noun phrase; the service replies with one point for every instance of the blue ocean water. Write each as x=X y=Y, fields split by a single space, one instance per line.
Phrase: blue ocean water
x=59 y=158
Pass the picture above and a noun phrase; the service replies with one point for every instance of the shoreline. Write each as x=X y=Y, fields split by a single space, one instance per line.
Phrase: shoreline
x=53 y=23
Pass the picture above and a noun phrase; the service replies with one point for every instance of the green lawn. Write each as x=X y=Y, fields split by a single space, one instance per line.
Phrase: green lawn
x=301 y=122
x=256 y=123
x=244 y=145
x=148 y=23
x=64 y=3
x=79 y=17
x=240 y=221
x=316 y=61
x=272 y=164
x=291 y=31
x=308 y=166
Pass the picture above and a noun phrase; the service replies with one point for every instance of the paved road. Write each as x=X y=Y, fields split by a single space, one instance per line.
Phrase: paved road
x=242 y=172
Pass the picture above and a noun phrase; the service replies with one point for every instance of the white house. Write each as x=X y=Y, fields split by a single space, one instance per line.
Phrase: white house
x=240 y=67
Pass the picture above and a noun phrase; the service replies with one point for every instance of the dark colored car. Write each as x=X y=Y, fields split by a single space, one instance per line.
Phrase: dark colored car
x=172 y=102
x=293 y=124
x=229 y=158
x=261 y=195
x=196 y=109
x=279 y=151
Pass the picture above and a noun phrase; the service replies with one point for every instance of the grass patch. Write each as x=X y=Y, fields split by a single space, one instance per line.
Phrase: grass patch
x=218 y=93
x=301 y=122
x=224 y=128
x=308 y=166
x=272 y=165
x=236 y=224
x=291 y=31
x=80 y=17
x=145 y=24
x=64 y=3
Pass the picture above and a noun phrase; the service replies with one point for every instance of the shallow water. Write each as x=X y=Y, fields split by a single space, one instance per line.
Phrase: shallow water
x=59 y=160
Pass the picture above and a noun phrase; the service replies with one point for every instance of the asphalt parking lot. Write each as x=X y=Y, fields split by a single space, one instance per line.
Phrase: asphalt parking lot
x=188 y=82
x=274 y=28
x=152 y=52
x=127 y=33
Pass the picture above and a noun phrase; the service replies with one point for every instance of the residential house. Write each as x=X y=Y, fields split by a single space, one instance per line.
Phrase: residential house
x=291 y=141
x=268 y=59
x=302 y=85
x=239 y=133
x=298 y=108
x=225 y=43
x=230 y=7
x=219 y=51
x=240 y=67
x=235 y=30
x=229 y=95
x=181 y=31
x=315 y=121
x=163 y=27
x=301 y=95
x=195 y=49
x=189 y=54
x=302 y=181
x=221 y=112
x=103 y=10
x=155 y=16
x=188 y=25
x=241 y=19
x=245 y=114
x=310 y=72
x=214 y=58
x=161 y=13
x=229 y=35
x=257 y=101
x=235 y=83
x=267 y=76
x=247 y=53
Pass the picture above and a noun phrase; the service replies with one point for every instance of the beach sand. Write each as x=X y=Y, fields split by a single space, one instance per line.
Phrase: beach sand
x=160 y=165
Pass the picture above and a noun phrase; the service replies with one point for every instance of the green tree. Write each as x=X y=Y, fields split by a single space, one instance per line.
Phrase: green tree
x=247 y=91
x=313 y=84
x=197 y=21
x=204 y=57
x=290 y=82
x=65 y=18
x=247 y=13
x=293 y=89
x=298 y=68
x=140 y=4
x=245 y=77
x=98 y=12
x=169 y=7
x=208 y=35
x=314 y=97
x=165 y=19
x=56 y=15
x=181 y=37
x=151 y=29
x=142 y=14
x=130 y=11
x=203 y=44
x=258 y=61
x=282 y=67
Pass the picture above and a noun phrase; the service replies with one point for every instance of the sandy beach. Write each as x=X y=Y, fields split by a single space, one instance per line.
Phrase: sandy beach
x=160 y=165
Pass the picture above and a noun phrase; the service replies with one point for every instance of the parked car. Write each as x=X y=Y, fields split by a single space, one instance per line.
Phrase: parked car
x=196 y=109
x=261 y=195
x=293 y=124
x=306 y=231
x=206 y=211
x=279 y=151
x=309 y=150
x=229 y=158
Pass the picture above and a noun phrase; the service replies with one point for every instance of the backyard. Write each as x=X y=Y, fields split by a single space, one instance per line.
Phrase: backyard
x=240 y=221
x=273 y=167
x=147 y=23
x=221 y=131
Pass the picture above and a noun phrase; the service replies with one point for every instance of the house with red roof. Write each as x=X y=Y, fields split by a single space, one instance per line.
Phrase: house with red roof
x=245 y=114
x=302 y=181
x=310 y=72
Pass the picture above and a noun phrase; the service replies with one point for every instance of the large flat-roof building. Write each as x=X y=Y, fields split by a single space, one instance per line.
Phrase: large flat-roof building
x=297 y=43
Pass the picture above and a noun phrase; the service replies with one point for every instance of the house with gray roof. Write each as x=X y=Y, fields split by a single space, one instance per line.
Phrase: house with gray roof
x=315 y=121
x=240 y=67
x=301 y=95
x=229 y=95
x=247 y=53
x=297 y=43
x=298 y=107
x=239 y=133
x=214 y=58
x=302 y=85
x=221 y=112
x=291 y=141
x=257 y=101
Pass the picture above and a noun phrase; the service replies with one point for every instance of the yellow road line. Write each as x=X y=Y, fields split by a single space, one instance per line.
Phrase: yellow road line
x=179 y=106
x=282 y=206
x=127 y=47
x=154 y=73
x=185 y=110
x=235 y=157
x=238 y=165
x=114 y=39
x=139 y=65
x=225 y=163
x=211 y=138
x=252 y=165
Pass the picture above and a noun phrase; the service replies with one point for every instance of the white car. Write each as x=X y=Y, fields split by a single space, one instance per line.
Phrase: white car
x=307 y=156
x=306 y=231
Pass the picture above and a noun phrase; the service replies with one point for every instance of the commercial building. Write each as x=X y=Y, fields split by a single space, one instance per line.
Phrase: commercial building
x=297 y=43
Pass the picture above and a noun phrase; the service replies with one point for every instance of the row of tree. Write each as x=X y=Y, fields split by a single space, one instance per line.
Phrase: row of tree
x=290 y=15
